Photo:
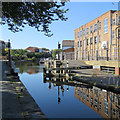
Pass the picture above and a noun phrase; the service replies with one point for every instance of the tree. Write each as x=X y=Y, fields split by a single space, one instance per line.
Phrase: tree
x=35 y=14
x=56 y=51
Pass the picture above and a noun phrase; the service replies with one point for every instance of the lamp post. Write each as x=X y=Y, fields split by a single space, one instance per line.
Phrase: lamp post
x=9 y=56
x=58 y=51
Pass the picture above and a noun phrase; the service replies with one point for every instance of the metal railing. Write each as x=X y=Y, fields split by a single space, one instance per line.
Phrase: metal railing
x=103 y=54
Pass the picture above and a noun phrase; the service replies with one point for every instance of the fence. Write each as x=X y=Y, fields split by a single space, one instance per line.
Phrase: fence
x=103 y=54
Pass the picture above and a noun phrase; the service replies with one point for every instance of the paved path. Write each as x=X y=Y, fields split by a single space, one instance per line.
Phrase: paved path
x=91 y=74
x=17 y=103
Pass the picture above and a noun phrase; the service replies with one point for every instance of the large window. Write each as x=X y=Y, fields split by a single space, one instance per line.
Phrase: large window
x=91 y=29
x=105 y=25
x=87 y=30
x=81 y=32
x=113 y=35
x=99 y=38
x=84 y=31
x=119 y=20
x=95 y=38
x=116 y=19
x=91 y=40
x=80 y=43
x=99 y=25
x=87 y=41
x=78 y=34
x=113 y=22
x=95 y=27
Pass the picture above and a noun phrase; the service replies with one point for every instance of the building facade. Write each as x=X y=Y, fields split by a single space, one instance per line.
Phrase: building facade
x=68 y=50
x=98 y=40
x=105 y=103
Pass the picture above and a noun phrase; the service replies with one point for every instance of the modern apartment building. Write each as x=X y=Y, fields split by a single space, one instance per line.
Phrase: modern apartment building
x=98 y=42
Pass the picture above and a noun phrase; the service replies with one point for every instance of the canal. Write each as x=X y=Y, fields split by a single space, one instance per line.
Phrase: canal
x=58 y=98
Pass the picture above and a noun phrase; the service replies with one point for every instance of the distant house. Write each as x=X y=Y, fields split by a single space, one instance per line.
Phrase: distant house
x=68 y=50
x=33 y=49
x=2 y=44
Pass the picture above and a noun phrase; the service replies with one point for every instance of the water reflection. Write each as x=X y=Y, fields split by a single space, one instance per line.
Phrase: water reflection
x=64 y=98
x=106 y=104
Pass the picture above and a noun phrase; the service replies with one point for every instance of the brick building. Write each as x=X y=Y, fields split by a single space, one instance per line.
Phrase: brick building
x=105 y=103
x=68 y=50
x=33 y=49
x=97 y=42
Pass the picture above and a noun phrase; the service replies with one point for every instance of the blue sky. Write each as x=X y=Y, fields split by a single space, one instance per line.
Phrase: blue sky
x=79 y=13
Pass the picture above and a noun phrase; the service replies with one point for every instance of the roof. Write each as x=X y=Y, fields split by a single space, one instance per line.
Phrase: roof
x=69 y=50
x=2 y=41
x=67 y=43
x=32 y=48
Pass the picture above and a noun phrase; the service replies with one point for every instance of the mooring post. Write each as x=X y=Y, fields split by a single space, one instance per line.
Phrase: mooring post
x=44 y=70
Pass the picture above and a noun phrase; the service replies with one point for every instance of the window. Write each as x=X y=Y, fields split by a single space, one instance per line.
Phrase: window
x=91 y=40
x=105 y=25
x=91 y=29
x=105 y=106
x=119 y=20
x=80 y=43
x=87 y=30
x=113 y=34
x=88 y=98
x=81 y=32
x=84 y=31
x=113 y=22
x=78 y=34
x=99 y=25
x=95 y=38
x=87 y=42
x=116 y=20
x=95 y=27
x=99 y=38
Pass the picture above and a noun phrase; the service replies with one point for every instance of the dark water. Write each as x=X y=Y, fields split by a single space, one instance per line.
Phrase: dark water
x=60 y=98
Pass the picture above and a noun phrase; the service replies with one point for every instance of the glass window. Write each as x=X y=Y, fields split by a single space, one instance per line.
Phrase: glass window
x=91 y=29
x=99 y=25
x=113 y=21
x=116 y=20
x=84 y=31
x=95 y=38
x=78 y=34
x=80 y=43
x=88 y=98
x=99 y=38
x=87 y=41
x=105 y=25
x=113 y=35
x=91 y=40
x=87 y=30
x=119 y=20
x=81 y=32
x=95 y=27
x=105 y=106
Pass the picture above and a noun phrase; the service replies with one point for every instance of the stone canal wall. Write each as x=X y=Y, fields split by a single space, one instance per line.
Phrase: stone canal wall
x=16 y=100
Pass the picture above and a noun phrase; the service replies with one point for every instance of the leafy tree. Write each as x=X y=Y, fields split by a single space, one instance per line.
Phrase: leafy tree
x=56 y=51
x=35 y=14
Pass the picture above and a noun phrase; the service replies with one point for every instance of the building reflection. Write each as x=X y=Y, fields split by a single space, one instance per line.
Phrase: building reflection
x=106 y=104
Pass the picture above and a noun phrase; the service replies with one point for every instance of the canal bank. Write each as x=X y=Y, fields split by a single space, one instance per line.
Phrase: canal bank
x=78 y=70
x=16 y=100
